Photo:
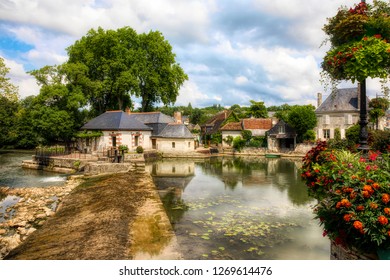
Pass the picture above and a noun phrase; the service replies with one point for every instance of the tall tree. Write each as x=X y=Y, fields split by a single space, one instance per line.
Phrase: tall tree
x=57 y=111
x=113 y=65
x=7 y=89
x=258 y=109
x=302 y=119
x=8 y=106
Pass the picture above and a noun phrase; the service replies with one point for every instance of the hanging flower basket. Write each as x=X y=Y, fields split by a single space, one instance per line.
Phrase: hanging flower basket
x=360 y=39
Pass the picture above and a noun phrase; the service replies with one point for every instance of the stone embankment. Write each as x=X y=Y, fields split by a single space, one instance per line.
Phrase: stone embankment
x=117 y=216
x=27 y=210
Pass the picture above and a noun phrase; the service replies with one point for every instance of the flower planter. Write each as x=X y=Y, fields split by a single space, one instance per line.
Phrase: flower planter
x=338 y=252
x=383 y=254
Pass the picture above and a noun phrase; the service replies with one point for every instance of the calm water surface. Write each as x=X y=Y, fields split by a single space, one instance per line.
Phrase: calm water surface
x=234 y=208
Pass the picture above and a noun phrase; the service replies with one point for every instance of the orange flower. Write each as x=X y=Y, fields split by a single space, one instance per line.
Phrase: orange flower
x=360 y=208
x=375 y=186
x=387 y=211
x=345 y=203
x=353 y=195
x=358 y=225
x=347 y=217
x=366 y=194
x=385 y=198
x=383 y=220
x=368 y=188
x=373 y=205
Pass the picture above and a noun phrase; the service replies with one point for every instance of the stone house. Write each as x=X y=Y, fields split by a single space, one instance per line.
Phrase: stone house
x=281 y=138
x=151 y=130
x=258 y=127
x=340 y=110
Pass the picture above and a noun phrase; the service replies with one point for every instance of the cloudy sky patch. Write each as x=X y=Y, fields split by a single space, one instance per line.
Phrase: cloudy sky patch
x=233 y=51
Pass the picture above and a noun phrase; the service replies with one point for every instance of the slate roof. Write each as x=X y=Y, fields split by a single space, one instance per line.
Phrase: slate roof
x=345 y=99
x=289 y=131
x=115 y=120
x=153 y=117
x=175 y=130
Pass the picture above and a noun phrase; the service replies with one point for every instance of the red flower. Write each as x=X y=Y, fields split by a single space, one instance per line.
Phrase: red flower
x=358 y=225
x=383 y=220
x=360 y=208
x=385 y=198
x=378 y=36
x=347 y=217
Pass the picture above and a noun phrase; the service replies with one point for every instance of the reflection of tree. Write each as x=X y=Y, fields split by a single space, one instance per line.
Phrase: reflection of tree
x=286 y=177
x=174 y=206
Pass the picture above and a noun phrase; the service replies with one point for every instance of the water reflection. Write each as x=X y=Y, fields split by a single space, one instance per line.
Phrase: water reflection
x=239 y=208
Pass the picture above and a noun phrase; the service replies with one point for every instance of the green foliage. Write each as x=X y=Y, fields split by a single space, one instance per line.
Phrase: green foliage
x=228 y=140
x=378 y=109
x=302 y=119
x=337 y=134
x=8 y=113
x=88 y=134
x=139 y=150
x=359 y=38
x=113 y=65
x=246 y=135
x=379 y=140
x=7 y=89
x=353 y=195
x=238 y=143
x=124 y=148
x=309 y=135
x=352 y=134
x=258 y=109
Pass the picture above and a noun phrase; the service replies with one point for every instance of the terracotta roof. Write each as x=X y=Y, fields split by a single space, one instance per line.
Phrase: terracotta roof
x=233 y=126
x=257 y=124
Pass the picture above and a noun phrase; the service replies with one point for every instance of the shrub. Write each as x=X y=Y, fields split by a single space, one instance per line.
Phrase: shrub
x=139 y=150
x=238 y=143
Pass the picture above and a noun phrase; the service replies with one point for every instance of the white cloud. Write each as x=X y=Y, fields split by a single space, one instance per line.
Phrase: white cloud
x=240 y=80
x=26 y=83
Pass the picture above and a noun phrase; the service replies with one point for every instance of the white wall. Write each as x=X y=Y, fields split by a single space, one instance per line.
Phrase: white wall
x=180 y=145
x=234 y=134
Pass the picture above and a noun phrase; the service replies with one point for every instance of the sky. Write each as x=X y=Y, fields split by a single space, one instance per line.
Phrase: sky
x=232 y=51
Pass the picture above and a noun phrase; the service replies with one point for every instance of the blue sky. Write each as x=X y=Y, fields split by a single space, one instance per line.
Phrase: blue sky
x=233 y=51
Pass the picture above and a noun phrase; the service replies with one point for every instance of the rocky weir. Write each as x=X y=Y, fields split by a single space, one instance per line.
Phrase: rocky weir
x=110 y=217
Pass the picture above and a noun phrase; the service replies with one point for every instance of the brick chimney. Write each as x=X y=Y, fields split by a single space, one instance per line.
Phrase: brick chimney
x=319 y=99
x=177 y=117
x=128 y=111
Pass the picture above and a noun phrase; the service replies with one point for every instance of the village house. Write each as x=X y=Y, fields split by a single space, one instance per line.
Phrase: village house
x=151 y=130
x=281 y=138
x=258 y=127
x=339 y=111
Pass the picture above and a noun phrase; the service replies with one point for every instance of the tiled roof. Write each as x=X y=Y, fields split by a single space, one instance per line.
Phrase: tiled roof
x=115 y=120
x=345 y=99
x=257 y=124
x=174 y=130
x=233 y=126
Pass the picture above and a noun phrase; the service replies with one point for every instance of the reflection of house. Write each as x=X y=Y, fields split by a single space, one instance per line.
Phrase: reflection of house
x=258 y=127
x=281 y=137
x=340 y=110
x=152 y=130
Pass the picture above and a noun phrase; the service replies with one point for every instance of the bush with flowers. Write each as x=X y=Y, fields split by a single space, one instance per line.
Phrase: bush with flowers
x=353 y=194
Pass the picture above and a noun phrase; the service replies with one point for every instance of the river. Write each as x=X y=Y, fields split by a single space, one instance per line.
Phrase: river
x=240 y=208
x=220 y=208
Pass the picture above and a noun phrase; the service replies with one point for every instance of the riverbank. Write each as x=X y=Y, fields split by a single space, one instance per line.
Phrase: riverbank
x=112 y=217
